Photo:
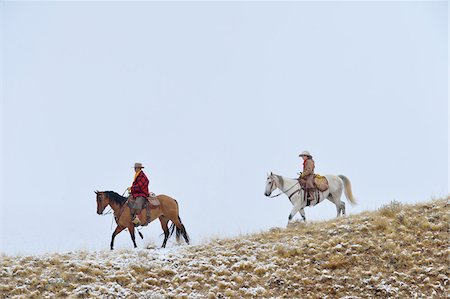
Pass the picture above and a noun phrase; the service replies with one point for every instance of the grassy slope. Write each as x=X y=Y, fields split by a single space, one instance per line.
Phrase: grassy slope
x=397 y=251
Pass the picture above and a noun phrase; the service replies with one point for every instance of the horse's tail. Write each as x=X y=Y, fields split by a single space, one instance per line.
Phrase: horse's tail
x=171 y=229
x=172 y=226
x=183 y=232
x=348 y=190
x=179 y=231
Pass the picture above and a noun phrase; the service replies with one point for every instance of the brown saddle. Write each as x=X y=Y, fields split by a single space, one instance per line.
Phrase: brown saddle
x=153 y=202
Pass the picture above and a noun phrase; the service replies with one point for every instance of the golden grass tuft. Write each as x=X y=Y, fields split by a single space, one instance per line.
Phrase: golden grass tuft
x=336 y=262
x=392 y=209
x=381 y=223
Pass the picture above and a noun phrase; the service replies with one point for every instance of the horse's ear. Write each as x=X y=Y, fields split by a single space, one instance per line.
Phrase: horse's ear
x=96 y=192
x=271 y=173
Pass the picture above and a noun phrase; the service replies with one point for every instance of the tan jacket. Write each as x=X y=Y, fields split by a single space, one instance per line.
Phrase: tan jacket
x=308 y=168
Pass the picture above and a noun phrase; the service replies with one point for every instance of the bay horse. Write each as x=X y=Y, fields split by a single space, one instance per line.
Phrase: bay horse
x=167 y=210
x=292 y=189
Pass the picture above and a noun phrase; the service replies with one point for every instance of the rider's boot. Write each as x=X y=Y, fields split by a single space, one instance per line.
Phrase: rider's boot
x=136 y=220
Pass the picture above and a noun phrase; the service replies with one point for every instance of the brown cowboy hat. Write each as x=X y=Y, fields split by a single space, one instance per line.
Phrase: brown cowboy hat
x=138 y=165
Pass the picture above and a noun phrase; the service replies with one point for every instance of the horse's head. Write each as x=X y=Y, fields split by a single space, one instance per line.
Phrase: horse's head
x=102 y=202
x=270 y=184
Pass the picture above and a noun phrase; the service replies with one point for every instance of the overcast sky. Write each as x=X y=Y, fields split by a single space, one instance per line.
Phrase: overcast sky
x=210 y=97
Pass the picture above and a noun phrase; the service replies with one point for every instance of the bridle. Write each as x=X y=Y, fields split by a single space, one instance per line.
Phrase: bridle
x=116 y=217
x=110 y=209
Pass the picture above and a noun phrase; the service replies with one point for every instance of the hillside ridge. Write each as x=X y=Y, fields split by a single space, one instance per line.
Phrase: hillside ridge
x=398 y=251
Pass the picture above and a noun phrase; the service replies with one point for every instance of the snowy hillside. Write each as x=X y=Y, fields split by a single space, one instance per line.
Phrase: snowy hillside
x=398 y=251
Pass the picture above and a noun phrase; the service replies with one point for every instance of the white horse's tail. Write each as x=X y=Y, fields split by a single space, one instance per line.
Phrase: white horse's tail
x=348 y=190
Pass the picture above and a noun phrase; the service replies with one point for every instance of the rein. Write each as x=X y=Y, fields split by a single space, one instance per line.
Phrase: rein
x=121 y=208
x=107 y=213
x=282 y=192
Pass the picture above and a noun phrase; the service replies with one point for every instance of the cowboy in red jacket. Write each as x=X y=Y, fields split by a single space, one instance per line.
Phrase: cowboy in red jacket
x=139 y=192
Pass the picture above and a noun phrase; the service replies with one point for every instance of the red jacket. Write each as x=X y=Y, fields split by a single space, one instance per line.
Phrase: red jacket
x=140 y=186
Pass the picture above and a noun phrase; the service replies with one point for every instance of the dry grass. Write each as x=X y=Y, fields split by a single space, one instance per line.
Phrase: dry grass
x=399 y=251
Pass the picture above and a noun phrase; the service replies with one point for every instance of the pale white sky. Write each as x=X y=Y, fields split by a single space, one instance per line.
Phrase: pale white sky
x=210 y=97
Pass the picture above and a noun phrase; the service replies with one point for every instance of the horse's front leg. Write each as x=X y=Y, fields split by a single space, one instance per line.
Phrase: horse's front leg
x=133 y=238
x=302 y=212
x=294 y=211
x=115 y=233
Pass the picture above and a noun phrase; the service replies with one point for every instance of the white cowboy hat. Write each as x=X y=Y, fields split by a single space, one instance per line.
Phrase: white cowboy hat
x=305 y=153
x=138 y=165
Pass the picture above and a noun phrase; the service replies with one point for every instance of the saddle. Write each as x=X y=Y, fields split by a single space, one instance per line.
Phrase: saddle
x=321 y=182
x=153 y=201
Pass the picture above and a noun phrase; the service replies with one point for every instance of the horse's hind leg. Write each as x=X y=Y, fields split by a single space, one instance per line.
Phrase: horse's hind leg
x=115 y=233
x=342 y=204
x=164 y=220
x=294 y=211
x=337 y=202
x=340 y=208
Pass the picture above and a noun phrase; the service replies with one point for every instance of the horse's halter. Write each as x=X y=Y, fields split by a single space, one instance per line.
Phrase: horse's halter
x=99 y=203
x=100 y=199
x=272 y=185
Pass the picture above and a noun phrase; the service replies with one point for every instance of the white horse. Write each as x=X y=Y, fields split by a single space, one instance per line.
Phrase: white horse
x=292 y=189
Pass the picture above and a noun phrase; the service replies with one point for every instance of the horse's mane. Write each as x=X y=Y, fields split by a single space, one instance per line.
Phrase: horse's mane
x=115 y=197
x=280 y=181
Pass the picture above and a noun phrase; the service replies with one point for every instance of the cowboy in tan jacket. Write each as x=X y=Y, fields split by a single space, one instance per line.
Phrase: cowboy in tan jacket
x=307 y=176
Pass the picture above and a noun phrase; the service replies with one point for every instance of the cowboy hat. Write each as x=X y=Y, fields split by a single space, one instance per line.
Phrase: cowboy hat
x=138 y=165
x=305 y=153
